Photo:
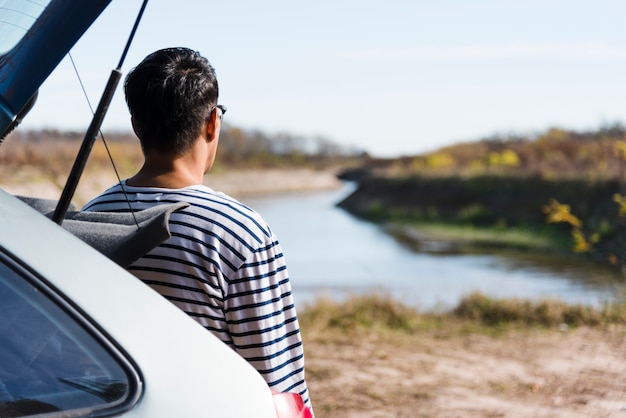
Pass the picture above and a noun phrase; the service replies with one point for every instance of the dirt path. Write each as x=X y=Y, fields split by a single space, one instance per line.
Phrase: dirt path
x=257 y=181
x=236 y=183
x=571 y=373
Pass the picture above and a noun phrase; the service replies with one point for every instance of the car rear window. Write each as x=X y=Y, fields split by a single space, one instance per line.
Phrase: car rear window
x=16 y=17
x=50 y=362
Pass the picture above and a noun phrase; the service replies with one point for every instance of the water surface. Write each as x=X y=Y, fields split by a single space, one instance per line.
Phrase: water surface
x=329 y=252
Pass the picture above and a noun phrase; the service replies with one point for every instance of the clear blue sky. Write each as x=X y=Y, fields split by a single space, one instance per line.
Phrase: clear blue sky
x=392 y=77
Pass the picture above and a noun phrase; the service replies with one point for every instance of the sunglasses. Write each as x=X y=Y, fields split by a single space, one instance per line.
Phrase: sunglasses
x=222 y=110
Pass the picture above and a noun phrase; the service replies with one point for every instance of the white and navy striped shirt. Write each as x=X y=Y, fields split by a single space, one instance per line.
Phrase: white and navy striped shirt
x=224 y=267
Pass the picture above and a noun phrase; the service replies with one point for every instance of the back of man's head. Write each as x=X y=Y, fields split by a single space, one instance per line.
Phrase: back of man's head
x=170 y=95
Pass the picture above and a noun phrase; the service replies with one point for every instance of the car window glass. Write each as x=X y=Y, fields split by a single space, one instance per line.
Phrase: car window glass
x=16 y=17
x=48 y=362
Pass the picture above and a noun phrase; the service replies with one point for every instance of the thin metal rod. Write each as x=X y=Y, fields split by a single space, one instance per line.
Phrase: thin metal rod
x=86 y=147
x=132 y=33
x=93 y=130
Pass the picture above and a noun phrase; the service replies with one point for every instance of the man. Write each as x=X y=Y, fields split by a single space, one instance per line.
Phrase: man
x=222 y=265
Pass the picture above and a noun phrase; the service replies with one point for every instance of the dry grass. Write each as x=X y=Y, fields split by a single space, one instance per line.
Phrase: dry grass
x=373 y=357
x=382 y=314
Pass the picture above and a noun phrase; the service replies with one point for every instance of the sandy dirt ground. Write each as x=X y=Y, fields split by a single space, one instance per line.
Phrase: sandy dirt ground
x=264 y=181
x=528 y=373
x=235 y=183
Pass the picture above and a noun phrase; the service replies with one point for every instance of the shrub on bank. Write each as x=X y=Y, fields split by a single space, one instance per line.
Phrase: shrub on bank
x=381 y=313
x=546 y=313
x=367 y=312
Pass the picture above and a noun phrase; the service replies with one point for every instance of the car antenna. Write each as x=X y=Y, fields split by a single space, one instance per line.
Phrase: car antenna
x=93 y=129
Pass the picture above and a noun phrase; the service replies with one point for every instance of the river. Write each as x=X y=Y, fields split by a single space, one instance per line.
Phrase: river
x=331 y=253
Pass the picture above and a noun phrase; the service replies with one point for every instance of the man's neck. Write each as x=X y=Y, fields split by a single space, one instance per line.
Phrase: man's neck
x=169 y=173
x=163 y=180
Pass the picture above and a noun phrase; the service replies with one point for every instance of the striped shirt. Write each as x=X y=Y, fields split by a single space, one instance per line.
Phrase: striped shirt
x=224 y=267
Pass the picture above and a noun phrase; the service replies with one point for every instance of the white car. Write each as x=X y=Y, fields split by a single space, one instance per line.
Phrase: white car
x=79 y=335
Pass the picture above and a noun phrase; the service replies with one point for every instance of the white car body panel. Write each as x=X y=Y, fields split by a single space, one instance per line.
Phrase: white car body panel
x=187 y=372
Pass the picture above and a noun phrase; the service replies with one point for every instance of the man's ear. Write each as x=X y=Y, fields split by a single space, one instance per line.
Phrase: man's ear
x=132 y=122
x=213 y=125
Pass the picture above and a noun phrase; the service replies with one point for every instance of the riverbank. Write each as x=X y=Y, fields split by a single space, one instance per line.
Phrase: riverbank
x=576 y=216
x=237 y=183
x=450 y=238
x=272 y=180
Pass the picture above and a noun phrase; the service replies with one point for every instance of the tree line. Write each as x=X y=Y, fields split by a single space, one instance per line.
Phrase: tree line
x=554 y=153
x=238 y=147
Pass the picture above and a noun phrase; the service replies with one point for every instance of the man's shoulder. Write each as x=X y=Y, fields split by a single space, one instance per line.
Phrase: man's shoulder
x=208 y=210
x=220 y=208
x=110 y=194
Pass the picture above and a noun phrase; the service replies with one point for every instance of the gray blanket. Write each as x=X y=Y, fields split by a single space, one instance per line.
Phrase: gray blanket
x=115 y=235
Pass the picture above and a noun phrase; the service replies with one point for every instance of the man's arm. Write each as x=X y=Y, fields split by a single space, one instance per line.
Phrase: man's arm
x=262 y=320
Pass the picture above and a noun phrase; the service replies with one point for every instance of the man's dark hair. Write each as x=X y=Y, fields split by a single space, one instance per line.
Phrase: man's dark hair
x=170 y=95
